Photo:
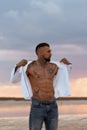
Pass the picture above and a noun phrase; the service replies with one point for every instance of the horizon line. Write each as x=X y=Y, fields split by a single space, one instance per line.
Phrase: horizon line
x=60 y=98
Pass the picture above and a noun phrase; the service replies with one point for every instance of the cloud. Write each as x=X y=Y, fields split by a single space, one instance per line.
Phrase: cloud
x=28 y=22
x=1 y=38
x=49 y=7
x=24 y=24
x=69 y=49
x=7 y=90
x=8 y=55
x=11 y=14
x=79 y=87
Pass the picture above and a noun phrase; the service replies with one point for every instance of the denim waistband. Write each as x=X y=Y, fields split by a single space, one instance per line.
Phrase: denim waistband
x=43 y=102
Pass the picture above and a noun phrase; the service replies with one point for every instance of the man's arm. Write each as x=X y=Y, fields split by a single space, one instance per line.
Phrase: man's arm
x=23 y=62
x=65 y=61
x=16 y=73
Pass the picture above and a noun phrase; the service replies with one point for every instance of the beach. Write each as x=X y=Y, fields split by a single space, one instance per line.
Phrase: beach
x=14 y=115
x=65 y=123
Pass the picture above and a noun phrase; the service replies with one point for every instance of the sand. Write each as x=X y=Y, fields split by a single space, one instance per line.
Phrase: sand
x=65 y=123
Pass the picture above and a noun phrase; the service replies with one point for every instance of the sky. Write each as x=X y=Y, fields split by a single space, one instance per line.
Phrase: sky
x=61 y=23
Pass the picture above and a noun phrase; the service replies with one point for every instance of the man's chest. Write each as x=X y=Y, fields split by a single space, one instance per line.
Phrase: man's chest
x=42 y=72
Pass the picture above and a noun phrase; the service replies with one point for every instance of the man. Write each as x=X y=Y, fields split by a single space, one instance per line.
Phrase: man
x=41 y=74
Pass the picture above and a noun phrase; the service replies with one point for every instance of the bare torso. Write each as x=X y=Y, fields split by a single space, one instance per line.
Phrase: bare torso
x=41 y=79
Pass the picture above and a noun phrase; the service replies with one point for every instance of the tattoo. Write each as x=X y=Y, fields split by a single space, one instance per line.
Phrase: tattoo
x=50 y=71
x=36 y=75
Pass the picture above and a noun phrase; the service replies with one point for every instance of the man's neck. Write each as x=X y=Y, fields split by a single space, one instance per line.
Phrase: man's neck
x=42 y=62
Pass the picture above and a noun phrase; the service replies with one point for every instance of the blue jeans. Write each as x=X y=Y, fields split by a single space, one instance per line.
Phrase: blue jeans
x=43 y=112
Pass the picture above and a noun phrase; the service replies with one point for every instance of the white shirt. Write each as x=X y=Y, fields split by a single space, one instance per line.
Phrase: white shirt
x=60 y=83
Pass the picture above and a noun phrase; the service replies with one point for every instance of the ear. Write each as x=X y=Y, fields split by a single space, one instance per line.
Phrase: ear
x=40 y=52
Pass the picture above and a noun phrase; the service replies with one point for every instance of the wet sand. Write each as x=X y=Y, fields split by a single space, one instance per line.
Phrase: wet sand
x=14 y=115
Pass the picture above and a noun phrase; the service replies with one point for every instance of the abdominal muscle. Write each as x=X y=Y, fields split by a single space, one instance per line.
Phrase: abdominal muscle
x=42 y=88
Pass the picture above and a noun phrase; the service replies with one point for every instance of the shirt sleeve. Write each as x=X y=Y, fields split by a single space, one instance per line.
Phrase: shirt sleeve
x=69 y=68
x=15 y=76
x=61 y=81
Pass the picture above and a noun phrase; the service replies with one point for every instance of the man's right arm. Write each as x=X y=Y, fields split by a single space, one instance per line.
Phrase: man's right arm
x=23 y=62
x=16 y=74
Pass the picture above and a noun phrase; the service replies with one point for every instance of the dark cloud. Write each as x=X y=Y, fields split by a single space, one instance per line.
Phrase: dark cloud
x=6 y=5
x=25 y=23
x=63 y=24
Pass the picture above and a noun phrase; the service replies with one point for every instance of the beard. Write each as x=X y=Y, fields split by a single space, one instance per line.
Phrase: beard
x=47 y=59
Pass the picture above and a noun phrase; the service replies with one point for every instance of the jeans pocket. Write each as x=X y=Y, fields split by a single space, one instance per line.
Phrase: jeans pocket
x=54 y=105
x=35 y=104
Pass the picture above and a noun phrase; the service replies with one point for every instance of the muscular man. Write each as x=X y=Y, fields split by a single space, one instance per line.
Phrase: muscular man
x=41 y=74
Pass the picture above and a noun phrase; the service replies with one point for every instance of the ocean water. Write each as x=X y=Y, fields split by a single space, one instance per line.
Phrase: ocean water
x=9 y=109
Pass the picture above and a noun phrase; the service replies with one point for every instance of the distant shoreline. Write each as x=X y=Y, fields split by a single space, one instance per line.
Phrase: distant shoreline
x=16 y=101
x=62 y=98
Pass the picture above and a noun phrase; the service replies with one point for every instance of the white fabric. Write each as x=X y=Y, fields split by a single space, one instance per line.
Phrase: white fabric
x=61 y=80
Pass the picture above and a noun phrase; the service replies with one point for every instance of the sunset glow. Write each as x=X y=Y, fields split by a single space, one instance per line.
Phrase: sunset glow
x=78 y=89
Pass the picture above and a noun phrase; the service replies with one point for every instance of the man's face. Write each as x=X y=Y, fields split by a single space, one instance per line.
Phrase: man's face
x=47 y=53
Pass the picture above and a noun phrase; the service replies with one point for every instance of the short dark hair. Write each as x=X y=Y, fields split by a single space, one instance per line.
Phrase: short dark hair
x=41 y=45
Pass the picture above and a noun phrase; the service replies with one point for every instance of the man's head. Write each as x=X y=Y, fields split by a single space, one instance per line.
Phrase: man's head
x=43 y=51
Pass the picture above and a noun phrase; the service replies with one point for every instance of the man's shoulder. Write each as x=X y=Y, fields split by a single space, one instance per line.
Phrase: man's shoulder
x=53 y=64
x=31 y=64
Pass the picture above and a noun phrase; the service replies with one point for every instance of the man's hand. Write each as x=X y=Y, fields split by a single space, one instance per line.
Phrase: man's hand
x=23 y=62
x=65 y=61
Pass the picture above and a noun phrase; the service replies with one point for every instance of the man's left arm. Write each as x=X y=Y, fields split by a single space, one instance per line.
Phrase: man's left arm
x=67 y=63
